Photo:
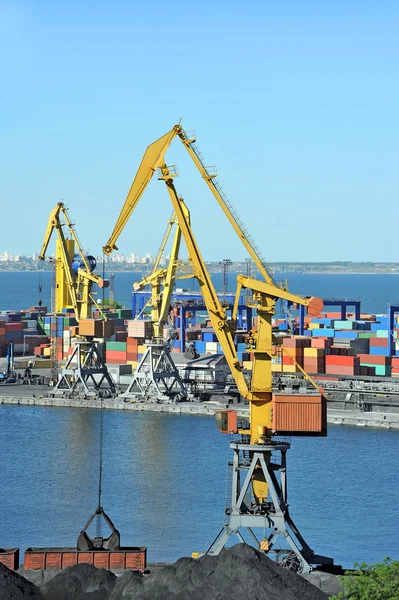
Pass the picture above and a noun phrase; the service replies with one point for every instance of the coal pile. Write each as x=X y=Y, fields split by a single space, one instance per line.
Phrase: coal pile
x=81 y=582
x=238 y=572
x=15 y=587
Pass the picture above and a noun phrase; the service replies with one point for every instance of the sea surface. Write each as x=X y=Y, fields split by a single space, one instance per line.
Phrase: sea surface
x=376 y=292
x=164 y=476
x=164 y=482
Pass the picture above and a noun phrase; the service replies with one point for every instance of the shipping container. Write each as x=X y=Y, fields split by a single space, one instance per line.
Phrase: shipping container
x=10 y=558
x=299 y=414
x=134 y=558
x=91 y=327
x=139 y=329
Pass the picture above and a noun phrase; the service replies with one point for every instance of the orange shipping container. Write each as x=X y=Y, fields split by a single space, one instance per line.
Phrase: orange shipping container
x=314 y=365
x=132 y=343
x=321 y=342
x=91 y=327
x=10 y=558
x=59 y=558
x=341 y=370
x=299 y=414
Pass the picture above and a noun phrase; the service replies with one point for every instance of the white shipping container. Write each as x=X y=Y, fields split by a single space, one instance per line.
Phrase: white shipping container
x=139 y=329
x=211 y=347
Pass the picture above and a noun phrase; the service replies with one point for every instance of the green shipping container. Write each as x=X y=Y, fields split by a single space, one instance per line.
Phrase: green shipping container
x=120 y=346
x=70 y=322
x=124 y=313
x=383 y=371
x=345 y=325
x=382 y=333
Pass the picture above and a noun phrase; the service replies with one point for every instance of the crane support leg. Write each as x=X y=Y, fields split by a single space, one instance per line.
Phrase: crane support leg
x=156 y=377
x=85 y=373
x=272 y=516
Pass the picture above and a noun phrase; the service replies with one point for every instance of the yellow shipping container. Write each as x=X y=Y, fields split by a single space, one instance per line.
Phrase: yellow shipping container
x=313 y=352
x=289 y=369
x=314 y=325
x=277 y=368
x=133 y=363
x=141 y=349
x=46 y=352
x=41 y=363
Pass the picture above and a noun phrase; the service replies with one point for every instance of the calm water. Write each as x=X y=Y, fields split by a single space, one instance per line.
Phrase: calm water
x=20 y=290
x=165 y=475
x=164 y=482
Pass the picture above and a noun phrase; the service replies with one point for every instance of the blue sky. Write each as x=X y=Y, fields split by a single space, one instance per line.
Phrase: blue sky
x=295 y=102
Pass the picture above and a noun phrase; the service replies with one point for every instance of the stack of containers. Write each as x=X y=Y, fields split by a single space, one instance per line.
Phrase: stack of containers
x=294 y=347
x=395 y=366
x=14 y=334
x=132 y=345
x=116 y=353
x=314 y=360
x=2 y=336
x=342 y=365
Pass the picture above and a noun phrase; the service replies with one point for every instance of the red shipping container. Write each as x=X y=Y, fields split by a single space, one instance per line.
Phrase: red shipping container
x=115 y=356
x=395 y=361
x=13 y=326
x=287 y=360
x=347 y=361
x=380 y=342
x=374 y=359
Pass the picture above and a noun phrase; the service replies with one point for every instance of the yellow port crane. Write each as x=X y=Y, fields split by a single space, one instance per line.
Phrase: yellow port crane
x=74 y=277
x=258 y=496
x=161 y=280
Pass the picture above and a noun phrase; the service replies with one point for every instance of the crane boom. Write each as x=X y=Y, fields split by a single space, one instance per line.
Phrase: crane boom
x=153 y=158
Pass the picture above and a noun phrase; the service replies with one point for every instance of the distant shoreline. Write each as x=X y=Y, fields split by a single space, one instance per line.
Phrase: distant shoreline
x=212 y=271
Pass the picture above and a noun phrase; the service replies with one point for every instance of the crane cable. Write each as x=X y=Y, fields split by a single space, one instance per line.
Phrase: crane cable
x=100 y=474
x=40 y=282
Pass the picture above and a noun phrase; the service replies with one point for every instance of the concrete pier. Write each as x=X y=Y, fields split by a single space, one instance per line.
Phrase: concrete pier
x=35 y=396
